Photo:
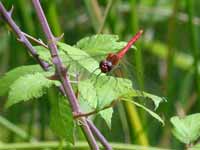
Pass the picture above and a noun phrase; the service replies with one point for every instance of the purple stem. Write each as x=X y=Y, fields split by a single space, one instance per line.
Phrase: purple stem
x=61 y=71
x=98 y=134
x=8 y=18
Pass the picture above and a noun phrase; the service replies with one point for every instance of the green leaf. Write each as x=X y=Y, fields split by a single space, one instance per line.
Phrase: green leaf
x=153 y=114
x=136 y=93
x=78 y=57
x=28 y=87
x=107 y=116
x=61 y=121
x=101 y=91
x=45 y=55
x=101 y=43
x=186 y=129
x=8 y=79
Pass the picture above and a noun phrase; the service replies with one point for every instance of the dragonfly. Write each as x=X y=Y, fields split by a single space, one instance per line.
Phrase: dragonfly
x=113 y=59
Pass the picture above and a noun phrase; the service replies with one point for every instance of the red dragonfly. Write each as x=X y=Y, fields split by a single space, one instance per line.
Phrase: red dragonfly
x=113 y=58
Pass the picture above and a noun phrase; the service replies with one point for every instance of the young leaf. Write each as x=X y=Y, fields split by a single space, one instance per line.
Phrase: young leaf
x=102 y=43
x=186 y=129
x=153 y=114
x=61 y=121
x=28 y=87
x=8 y=79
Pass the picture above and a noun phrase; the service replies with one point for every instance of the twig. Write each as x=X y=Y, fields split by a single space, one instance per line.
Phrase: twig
x=99 y=135
x=62 y=73
x=95 y=111
x=7 y=15
x=40 y=42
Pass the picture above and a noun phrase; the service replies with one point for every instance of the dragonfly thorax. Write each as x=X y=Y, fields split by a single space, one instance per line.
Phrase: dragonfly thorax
x=105 y=66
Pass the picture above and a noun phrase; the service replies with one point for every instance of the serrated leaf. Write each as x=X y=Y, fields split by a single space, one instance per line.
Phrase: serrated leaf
x=107 y=116
x=28 y=87
x=45 y=55
x=102 y=91
x=79 y=57
x=101 y=43
x=88 y=93
x=8 y=79
x=61 y=121
x=156 y=99
x=186 y=129
x=153 y=114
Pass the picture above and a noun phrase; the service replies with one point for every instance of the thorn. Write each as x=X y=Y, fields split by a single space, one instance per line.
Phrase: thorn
x=63 y=91
x=59 y=38
x=11 y=11
x=53 y=77
x=20 y=40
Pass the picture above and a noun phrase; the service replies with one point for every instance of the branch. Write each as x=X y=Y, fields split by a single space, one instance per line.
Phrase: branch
x=38 y=41
x=7 y=16
x=62 y=73
x=94 y=111
x=99 y=135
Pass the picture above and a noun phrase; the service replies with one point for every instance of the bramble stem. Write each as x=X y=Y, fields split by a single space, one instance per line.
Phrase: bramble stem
x=23 y=37
x=62 y=73
x=99 y=135
x=7 y=15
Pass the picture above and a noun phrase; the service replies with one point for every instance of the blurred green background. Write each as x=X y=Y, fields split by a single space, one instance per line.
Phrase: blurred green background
x=166 y=63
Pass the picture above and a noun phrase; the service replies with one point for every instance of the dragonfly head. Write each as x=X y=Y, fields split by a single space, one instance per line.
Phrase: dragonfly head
x=105 y=66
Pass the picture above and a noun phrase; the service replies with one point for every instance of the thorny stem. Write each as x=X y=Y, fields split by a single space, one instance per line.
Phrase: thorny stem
x=99 y=135
x=7 y=15
x=62 y=73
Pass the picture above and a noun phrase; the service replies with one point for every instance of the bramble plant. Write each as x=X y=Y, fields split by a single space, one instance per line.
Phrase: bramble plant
x=30 y=82
x=77 y=90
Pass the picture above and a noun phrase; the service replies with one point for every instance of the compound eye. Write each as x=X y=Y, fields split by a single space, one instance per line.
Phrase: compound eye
x=105 y=66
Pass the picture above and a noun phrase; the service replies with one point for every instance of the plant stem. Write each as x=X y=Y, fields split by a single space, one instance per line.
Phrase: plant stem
x=99 y=135
x=62 y=73
x=8 y=18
